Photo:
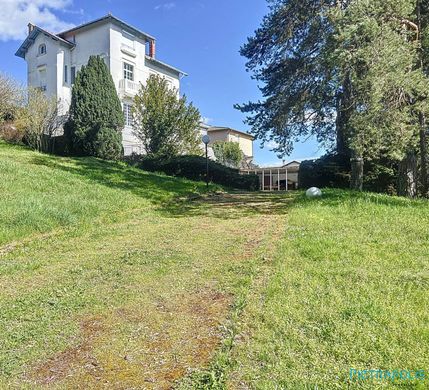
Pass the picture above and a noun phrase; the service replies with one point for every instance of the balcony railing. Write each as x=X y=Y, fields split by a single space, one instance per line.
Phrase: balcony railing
x=128 y=87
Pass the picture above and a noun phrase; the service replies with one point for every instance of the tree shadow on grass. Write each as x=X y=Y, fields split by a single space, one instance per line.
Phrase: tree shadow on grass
x=177 y=198
x=173 y=197
x=153 y=187
x=231 y=205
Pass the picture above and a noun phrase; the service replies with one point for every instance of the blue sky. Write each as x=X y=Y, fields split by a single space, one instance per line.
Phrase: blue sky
x=202 y=37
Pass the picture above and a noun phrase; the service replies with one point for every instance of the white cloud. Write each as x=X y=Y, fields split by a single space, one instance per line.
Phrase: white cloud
x=16 y=14
x=165 y=6
x=271 y=145
x=206 y=120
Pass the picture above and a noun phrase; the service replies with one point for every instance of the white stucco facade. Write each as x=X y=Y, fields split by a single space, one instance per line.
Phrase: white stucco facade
x=53 y=61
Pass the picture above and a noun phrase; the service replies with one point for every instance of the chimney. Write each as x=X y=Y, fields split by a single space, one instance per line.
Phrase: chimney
x=31 y=27
x=152 y=49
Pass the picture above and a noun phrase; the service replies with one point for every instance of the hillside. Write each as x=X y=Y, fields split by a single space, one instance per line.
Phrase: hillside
x=41 y=193
x=108 y=279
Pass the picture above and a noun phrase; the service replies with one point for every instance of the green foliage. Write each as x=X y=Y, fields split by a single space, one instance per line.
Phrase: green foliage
x=194 y=168
x=355 y=71
x=287 y=56
x=95 y=105
x=333 y=171
x=378 y=53
x=165 y=124
x=328 y=171
x=108 y=144
x=228 y=153
x=381 y=176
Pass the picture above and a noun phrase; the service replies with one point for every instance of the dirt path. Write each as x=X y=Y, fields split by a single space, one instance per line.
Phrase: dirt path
x=142 y=302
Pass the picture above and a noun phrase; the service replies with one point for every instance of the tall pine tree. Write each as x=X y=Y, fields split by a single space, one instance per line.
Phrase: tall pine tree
x=96 y=118
x=350 y=70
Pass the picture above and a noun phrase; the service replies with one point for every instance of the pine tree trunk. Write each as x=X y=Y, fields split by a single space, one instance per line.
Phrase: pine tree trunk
x=356 y=179
x=407 y=176
x=423 y=158
x=344 y=110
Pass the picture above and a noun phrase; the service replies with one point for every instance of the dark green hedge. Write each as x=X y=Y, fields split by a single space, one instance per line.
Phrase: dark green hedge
x=194 y=168
x=334 y=171
x=327 y=171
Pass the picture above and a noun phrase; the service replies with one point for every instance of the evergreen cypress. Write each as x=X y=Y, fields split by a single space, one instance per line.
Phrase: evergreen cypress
x=95 y=107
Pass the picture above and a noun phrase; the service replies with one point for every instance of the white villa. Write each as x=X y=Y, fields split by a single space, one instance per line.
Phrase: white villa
x=54 y=59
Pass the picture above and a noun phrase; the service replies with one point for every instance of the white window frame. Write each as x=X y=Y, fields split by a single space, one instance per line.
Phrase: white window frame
x=127 y=109
x=43 y=80
x=128 y=71
x=42 y=49
x=73 y=73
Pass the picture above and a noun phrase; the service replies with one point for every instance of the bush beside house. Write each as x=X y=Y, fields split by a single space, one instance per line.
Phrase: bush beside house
x=194 y=168
x=228 y=153
x=163 y=122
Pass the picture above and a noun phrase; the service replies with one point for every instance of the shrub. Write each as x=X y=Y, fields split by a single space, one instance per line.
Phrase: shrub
x=108 y=144
x=334 y=171
x=228 y=153
x=381 y=176
x=164 y=122
x=194 y=168
x=327 y=171
x=11 y=134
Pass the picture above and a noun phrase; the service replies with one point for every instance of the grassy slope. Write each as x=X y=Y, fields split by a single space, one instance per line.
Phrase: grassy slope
x=40 y=193
x=104 y=280
x=349 y=288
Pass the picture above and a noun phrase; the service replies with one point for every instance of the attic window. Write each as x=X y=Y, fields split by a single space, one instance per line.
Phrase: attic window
x=42 y=49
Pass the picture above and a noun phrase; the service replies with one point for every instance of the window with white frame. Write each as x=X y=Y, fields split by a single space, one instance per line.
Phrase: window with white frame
x=42 y=49
x=128 y=71
x=42 y=79
x=72 y=74
x=128 y=114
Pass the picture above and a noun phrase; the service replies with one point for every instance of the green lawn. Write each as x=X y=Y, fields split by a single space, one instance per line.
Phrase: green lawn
x=109 y=277
x=115 y=278
x=347 y=289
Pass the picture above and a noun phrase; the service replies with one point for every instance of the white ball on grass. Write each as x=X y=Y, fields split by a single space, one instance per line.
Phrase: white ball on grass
x=313 y=192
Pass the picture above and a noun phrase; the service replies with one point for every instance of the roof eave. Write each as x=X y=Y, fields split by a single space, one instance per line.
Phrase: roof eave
x=123 y=24
x=180 y=72
x=32 y=37
x=218 y=128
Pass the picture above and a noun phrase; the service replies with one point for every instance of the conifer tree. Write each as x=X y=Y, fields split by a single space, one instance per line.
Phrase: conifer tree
x=95 y=112
x=354 y=71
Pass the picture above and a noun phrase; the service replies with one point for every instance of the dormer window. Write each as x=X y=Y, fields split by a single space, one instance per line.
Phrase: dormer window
x=42 y=49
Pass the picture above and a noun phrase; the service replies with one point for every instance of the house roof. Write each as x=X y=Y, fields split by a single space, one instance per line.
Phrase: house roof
x=113 y=19
x=228 y=129
x=166 y=66
x=32 y=37
x=291 y=162
x=61 y=37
